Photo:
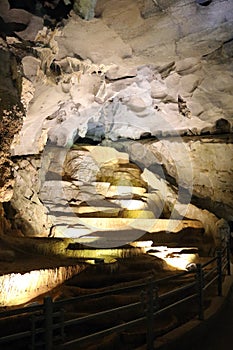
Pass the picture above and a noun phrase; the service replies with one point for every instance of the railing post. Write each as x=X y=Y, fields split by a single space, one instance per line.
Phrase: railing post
x=219 y=268
x=200 y=284
x=150 y=316
x=48 y=309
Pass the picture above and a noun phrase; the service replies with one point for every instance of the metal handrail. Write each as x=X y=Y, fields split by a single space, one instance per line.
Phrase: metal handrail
x=208 y=262
x=101 y=294
x=105 y=332
x=119 y=290
x=15 y=336
x=49 y=311
x=176 y=291
x=210 y=282
x=170 y=306
x=21 y=311
x=210 y=272
x=101 y=313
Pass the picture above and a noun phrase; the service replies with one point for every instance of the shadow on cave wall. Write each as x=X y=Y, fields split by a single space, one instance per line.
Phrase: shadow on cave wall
x=18 y=226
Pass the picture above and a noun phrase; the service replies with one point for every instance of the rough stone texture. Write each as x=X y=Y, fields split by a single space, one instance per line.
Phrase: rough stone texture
x=20 y=21
x=140 y=69
x=19 y=288
x=27 y=212
x=192 y=169
x=103 y=43
x=85 y=8
x=11 y=117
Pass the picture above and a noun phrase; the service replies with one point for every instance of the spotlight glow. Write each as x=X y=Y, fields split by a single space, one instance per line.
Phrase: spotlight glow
x=172 y=256
x=17 y=288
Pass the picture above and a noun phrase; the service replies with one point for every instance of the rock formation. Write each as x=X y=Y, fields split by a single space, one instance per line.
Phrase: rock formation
x=151 y=79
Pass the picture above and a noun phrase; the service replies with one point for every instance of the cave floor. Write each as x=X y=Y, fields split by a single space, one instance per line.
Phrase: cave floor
x=102 y=277
x=28 y=261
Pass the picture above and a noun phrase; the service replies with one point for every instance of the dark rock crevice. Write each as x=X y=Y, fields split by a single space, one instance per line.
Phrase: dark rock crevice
x=11 y=117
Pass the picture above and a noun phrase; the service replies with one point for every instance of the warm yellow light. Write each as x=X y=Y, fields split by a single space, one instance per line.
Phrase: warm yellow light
x=142 y=244
x=181 y=262
x=173 y=257
x=130 y=204
x=17 y=288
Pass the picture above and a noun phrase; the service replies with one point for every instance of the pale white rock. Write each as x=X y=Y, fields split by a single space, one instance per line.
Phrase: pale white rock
x=155 y=38
x=158 y=89
x=212 y=39
x=155 y=183
x=55 y=191
x=190 y=163
x=188 y=65
x=217 y=79
x=83 y=88
x=102 y=187
x=125 y=21
x=118 y=72
x=101 y=95
x=205 y=18
x=137 y=104
x=155 y=202
x=107 y=155
x=103 y=43
x=188 y=84
x=130 y=204
x=172 y=81
x=195 y=107
x=46 y=101
x=177 y=51
x=82 y=167
x=30 y=67
x=124 y=191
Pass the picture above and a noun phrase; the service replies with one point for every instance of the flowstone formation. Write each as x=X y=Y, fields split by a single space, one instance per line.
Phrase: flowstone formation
x=150 y=79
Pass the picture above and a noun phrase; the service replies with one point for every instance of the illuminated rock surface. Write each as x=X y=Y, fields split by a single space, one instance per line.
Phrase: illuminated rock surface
x=127 y=120
x=124 y=79
x=19 y=288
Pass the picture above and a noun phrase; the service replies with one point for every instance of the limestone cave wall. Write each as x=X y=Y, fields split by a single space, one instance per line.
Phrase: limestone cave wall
x=152 y=79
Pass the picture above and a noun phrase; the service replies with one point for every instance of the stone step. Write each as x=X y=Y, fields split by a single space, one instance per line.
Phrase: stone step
x=183 y=236
x=157 y=230
x=179 y=258
x=107 y=155
x=130 y=204
x=98 y=188
x=110 y=238
x=138 y=214
x=112 y=232
x=124 y=191
x=61 y=231
x=99 y=214
x=146 y=225
x=94 y=210
x=117 y=177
